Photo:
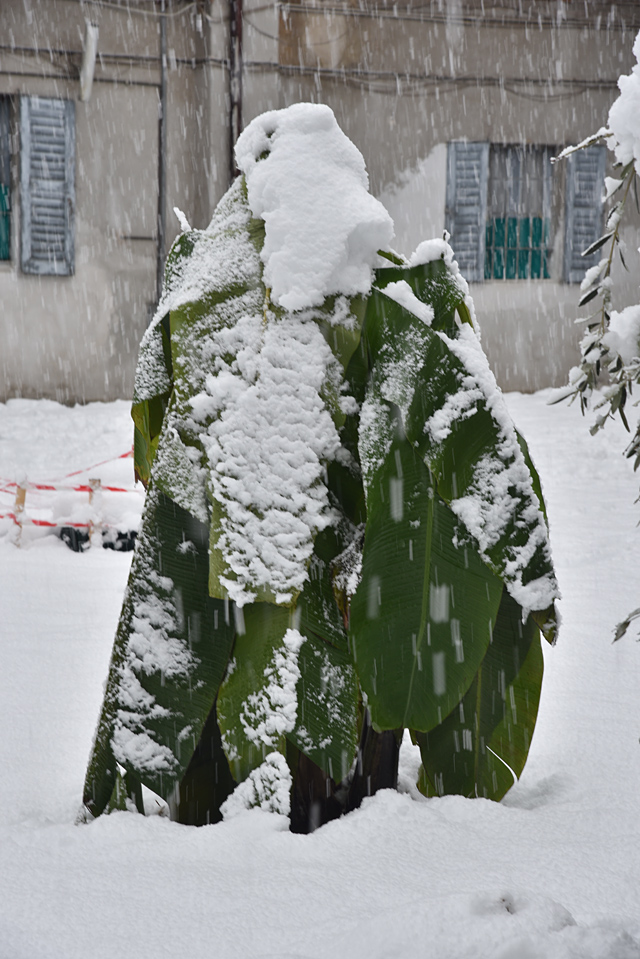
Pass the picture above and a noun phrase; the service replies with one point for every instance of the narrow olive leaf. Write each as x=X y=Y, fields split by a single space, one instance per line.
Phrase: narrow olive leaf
x=170 y=654
x=591 y=295
x=422 y=616
x=622 y=259
x=598 y=244
x=625 y=421
x=613 y=216
x=622 y=627
x=482 y=746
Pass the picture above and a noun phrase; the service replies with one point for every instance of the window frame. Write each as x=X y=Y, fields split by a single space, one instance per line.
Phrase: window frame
x=518 y=212
x=466 y=211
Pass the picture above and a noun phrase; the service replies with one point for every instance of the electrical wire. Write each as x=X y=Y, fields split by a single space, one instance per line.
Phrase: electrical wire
x=385 y=13
x=377 y=81
x=405 y=83
x=451 y=19
x=52 y=52
x=122 y=8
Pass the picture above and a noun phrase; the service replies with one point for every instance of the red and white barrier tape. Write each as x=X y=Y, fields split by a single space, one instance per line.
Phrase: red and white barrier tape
x=26 y=521
x=8 y=486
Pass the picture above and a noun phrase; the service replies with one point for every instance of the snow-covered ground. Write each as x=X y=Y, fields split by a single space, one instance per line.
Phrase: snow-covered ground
x=553 y=871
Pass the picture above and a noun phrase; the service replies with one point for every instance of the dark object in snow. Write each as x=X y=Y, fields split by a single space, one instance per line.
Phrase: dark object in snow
x=76 y=539
x=124 y=542
x=79 y=539
x=207 y=781
x=315 y=797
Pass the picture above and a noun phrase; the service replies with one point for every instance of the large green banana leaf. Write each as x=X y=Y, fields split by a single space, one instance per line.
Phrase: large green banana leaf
x=170 y=654
x=422 y=616
x=434 y=441
x=482 y=746
x=454 y=415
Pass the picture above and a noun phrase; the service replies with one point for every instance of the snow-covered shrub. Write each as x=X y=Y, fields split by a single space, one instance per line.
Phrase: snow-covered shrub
x=610 y=346
x=344 y=536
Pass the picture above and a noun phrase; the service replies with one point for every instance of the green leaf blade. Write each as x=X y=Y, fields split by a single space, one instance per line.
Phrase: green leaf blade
x=422 y=615
x=482 y=746
x=248 y=699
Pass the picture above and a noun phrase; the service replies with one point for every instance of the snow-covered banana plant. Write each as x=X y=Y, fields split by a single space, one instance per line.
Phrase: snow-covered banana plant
x=344 y=537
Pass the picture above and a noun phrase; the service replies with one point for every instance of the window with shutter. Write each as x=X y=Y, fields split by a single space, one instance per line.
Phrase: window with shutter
x=5 y=179
x=584 y=211
x=518 y=243
x=466 y=205
x=47 y=185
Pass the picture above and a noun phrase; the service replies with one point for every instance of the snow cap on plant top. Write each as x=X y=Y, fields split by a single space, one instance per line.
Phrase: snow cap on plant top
x=308 y=182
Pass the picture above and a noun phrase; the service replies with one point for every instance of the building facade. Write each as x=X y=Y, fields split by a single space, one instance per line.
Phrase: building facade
x=113 y=113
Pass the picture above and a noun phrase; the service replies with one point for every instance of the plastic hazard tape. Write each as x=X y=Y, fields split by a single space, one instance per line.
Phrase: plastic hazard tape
x=19 y=516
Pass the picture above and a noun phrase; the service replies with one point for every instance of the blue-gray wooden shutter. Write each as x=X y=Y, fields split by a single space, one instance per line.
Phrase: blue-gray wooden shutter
x=5 y=179
x=583 y=210
x=466 y=205
x=47 y=185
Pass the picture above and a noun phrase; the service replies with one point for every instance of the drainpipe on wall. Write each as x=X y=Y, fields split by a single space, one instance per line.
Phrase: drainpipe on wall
x=235 y=80
x=162 y=151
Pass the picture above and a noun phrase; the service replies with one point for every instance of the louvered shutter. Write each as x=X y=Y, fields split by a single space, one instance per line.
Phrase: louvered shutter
x=5 y=180
x=466 y=205
x=47 y=185
x=584 y=211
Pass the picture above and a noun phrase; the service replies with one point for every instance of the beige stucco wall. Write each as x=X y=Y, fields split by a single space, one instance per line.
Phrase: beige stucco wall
x=76 y=338
x=555 y=87
x=456 y=76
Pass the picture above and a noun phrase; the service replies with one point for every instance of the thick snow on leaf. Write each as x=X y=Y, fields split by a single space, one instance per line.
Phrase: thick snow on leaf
x=201 y=263
x=323 y=227
x=250 y=426
x=623 y=335
x=152 y=378
x=501 y=489
x=623 y=115
x=268 y=439
x=402 y=293
x=498 y=507
x=268 y=788
x=430 y=250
